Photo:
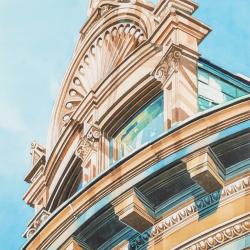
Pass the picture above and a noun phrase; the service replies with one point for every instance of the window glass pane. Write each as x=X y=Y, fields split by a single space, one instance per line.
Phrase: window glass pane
x=144 y=126
x=216 y=90
x=228 y=89
x=214 y=82
x=205 y=103
x=227 y=98
x=203 y=76
x=241 y=93
x=210 y=93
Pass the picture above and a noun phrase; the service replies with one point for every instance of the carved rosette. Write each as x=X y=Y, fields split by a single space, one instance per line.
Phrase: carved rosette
x=168 y=65
x=88 y=142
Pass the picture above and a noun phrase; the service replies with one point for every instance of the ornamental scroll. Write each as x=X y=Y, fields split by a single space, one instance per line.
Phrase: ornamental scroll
x=88 y=142
x=168 y=65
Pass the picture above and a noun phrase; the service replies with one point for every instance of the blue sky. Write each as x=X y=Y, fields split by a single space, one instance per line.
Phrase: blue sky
x=37 y=39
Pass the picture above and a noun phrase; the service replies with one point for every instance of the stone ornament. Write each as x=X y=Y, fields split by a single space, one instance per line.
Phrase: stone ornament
x=37 y=154
x=104 y=54
x=223 y=236
x=168 y=65
x=36 y=223
x=190 y=211
x=88 y=142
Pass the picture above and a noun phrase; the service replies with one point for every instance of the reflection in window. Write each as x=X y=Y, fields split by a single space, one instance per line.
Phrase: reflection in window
x=142 y=128
x=213 y=90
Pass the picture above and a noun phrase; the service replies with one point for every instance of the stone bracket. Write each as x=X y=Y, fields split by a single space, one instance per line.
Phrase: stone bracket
x=205 y=169
x=134 y=210
x=168 y=64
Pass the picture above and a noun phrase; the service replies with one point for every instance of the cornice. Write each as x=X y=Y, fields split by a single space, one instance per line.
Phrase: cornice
x=189 y=213
x=158 y=150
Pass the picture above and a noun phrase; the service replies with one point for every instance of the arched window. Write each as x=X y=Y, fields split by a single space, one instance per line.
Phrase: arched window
x=142 y=128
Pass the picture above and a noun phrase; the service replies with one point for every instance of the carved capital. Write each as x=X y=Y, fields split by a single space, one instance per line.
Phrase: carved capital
x=168 y=64
x=88 y=142
x=93 y=134
x=84 y=148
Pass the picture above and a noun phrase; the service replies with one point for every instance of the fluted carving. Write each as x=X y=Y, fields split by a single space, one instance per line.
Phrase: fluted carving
x=105 y=53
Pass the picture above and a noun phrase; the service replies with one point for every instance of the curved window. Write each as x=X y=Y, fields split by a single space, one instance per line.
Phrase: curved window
x=214 y=90
x=143 y=127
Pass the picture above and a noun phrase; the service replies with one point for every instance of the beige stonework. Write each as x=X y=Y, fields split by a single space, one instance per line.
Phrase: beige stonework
x=173 y=192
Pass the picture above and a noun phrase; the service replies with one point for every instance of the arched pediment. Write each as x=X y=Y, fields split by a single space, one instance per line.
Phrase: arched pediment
x=106 y=43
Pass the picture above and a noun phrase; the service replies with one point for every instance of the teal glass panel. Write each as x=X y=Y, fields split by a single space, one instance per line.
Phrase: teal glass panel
x=142 y=128
x=205 y=104
x=241 y=93
x=228 y=89
x=214 y=90
x=203 y=76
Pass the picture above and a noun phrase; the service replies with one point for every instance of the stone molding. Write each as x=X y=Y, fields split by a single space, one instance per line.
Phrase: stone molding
x=36 y=223
x=190 y=212
x=168 y=65
x=222 y=236
x=38 y=161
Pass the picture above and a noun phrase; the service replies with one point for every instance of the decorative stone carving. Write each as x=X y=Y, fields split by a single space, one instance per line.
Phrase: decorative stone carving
x=221 y=237
x=187 y=213
x=94 y=134
x=37 y=154
x=83 y=148
x=104 y=9
x=107 y=51
x=38 y=160
x=88 y=142
x=168 y=65
x=36 y=223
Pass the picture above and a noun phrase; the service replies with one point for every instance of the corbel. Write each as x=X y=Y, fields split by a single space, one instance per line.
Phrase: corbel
x=205 y=169
x=134 y=210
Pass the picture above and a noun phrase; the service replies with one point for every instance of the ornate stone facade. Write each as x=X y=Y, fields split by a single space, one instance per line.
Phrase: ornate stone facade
x=137 y=158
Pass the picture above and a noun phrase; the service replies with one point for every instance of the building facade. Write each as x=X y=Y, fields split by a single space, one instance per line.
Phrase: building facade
x=149 y=144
